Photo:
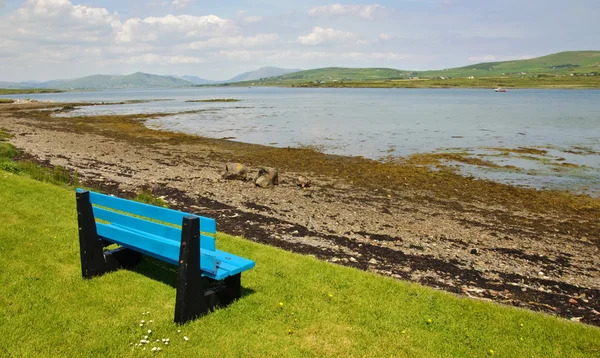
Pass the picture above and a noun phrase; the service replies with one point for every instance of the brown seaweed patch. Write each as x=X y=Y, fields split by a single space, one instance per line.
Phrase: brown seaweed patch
x=412 y=173
x=214 y=100
x=580 y=150
x=519 y=150
x=438 y=158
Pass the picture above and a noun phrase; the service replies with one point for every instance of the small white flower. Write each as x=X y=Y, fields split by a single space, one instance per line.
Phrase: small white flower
x=185 y=338
x=148 y=312
x=167 y=343
x=153 y=349
x=149 y=331
x=142 y=321
x=145 y=337
x=159 y=349
x=141 y=325
x=178 y=331
x=150 y=321
x=143 y=341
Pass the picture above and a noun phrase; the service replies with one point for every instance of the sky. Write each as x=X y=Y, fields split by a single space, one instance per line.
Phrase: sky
x=215 y=39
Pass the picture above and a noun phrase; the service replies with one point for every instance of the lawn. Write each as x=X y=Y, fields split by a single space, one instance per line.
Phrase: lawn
x=293 y=305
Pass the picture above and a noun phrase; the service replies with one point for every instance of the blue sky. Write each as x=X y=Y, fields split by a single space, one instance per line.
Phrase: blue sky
x=50 y=39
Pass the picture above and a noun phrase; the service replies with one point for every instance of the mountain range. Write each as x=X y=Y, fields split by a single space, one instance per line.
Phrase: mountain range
x=142 y=80
x=562 y=63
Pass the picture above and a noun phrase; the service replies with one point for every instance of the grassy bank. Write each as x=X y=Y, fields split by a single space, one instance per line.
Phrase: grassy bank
x=549 y=82
x=293 y=305
x=6 y=91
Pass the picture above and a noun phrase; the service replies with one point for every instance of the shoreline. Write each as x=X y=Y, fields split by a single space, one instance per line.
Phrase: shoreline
x=474 y=238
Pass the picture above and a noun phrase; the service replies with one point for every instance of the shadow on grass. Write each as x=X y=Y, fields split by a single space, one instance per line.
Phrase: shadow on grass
x=166 y=273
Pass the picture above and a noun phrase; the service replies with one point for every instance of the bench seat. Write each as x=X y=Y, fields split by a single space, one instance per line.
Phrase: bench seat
x=172 y=236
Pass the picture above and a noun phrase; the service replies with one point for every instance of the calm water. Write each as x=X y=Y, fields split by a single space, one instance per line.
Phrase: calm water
x=380 y=122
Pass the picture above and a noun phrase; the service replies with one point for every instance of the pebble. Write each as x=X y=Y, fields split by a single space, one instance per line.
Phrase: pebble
x=353 y=259
x=573 y=301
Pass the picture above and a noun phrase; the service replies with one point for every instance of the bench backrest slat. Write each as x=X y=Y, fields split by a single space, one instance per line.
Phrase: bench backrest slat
x=160 y=248
x=169 y=232
x=149 y=211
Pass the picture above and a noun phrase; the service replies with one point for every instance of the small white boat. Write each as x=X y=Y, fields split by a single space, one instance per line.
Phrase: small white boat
x=500 y=89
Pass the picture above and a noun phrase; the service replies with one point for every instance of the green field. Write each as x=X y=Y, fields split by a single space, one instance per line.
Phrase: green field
x=552 y=71
x=8 y=91
x=562 y=63
x=292 y=305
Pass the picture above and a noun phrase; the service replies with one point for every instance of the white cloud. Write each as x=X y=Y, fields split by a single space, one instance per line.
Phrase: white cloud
x=244 y=19
x=364 y=11
x=173 y=29
x=59 y=21
x=156 y=59
x=234 y=41
x=322 y=36
x=180 y=4
x=384 y=36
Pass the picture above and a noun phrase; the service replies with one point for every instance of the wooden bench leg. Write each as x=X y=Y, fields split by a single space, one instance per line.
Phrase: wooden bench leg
x=190 y=302
x=232 y=290
x=93 y=260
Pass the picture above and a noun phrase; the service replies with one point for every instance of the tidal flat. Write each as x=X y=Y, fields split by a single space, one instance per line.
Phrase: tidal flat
x=419 y=220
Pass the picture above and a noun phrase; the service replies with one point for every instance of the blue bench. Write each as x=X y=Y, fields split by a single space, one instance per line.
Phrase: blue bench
x=205 y=276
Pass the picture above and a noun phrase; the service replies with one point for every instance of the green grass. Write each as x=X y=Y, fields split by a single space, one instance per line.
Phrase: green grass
x=5 y=91
x=147 y=197
x=56 y=175
x=6 y=100
x=47 y=309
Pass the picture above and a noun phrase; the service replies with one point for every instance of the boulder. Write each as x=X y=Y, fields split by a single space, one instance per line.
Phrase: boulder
x=235 y=171
x=303 y=182
x=267 y=177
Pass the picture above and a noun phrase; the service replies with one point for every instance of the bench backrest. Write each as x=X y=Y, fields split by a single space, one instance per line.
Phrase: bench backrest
x=152 y=230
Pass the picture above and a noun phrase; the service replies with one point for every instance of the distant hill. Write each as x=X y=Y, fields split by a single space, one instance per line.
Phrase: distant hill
x=578 y=62
x=135 y=80
x=195 y=80
x=556 y=64
x=563 y=63
x=344 y=74
x=14 y=85
x=262 y=72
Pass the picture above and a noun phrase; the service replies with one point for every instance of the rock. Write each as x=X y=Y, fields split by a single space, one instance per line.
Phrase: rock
x=302 y=182
x=267 y=177
x=373 y=261
x=352 y=259
x=235 y=171
x=573 y=301
x=474 y=251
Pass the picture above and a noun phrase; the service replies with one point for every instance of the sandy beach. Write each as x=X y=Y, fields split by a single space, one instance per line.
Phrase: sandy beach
x=520 y=247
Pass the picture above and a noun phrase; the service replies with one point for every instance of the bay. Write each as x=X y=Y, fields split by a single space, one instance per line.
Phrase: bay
x=379 y=123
